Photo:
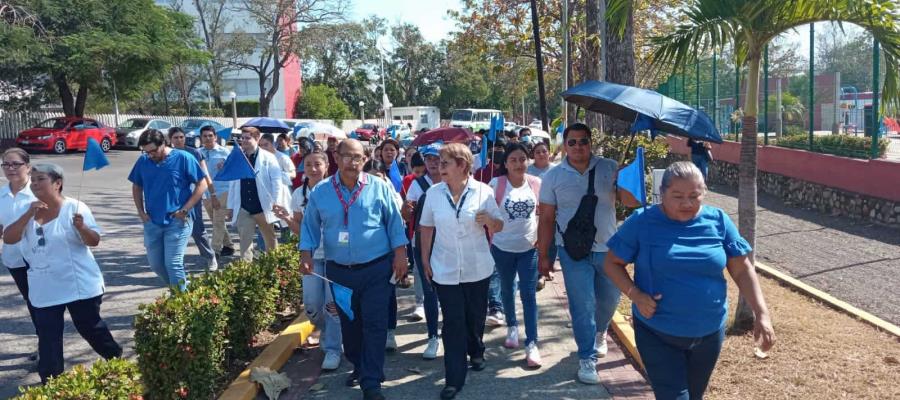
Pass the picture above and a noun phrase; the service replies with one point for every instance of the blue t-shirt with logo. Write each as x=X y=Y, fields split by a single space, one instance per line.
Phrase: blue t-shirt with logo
x=684 y=262
x=166 y=185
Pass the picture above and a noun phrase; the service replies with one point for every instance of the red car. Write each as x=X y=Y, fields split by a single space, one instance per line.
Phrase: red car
x=367 y=131
x=62 y=134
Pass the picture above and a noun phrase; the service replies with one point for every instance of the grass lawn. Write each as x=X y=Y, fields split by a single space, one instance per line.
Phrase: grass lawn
x=819 y=354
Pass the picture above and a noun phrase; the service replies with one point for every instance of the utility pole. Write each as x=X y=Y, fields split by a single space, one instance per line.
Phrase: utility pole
x=535 y=27
x=565 y=64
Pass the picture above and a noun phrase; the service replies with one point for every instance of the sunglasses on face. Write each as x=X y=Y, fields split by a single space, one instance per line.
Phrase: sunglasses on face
x=582 y=141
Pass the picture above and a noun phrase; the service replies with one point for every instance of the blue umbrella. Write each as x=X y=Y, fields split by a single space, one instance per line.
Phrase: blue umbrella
x=629 y=103
x=268 y=125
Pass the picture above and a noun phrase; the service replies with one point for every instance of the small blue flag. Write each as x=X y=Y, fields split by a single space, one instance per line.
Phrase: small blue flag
x=235 y=167
x=396 y=176
x=343 y=298
x=93 y=156
x=631 y=178
x=492 y=130
x=224 y=134
x=484 y=146
x=393 y=131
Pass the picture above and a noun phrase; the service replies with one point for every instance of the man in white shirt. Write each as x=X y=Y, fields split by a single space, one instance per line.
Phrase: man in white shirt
x=215 y=156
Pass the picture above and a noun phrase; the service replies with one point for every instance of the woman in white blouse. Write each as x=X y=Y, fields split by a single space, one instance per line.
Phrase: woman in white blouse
x=459 y=262
x=55 y=235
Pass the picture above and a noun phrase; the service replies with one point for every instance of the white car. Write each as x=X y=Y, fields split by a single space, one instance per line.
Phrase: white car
x=536 y=123
x=129 y=131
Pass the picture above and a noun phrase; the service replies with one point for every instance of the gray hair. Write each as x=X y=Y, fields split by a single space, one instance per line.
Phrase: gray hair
x=55 y=172
x=681 y=170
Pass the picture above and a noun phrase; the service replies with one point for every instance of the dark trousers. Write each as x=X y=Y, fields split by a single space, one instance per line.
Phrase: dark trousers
x=365 y=335
x=679 y=368
x=392 y=309
x=464 y=307
x=20 y=276
x=86 y=317
x=199 y=233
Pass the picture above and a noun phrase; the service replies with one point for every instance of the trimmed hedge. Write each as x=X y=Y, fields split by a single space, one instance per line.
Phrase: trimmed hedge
x=186 y=340
x=116 y=379
x=839 y=145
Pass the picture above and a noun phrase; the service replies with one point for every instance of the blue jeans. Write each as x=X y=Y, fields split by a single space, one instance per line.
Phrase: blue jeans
x=165 y=250
x=317 y=294
x=495 y=302
x=198 y=232
x=679 y=368
x=592 y=299
x=524 y=265
x=429 y=295
x=702 y=163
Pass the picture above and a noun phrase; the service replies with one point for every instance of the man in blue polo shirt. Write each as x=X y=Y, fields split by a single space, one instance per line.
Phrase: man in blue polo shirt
x=161 y=190
x=365 y=247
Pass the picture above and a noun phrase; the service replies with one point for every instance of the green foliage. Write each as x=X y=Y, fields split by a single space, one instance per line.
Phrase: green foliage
x=839 y=145
x=116 y=379
x=246 y=108
x=321 y=102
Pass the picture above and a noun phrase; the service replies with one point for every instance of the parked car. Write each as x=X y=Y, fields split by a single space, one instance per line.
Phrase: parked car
x=192 y=127
x=128 y=132
x=367 y=131
x=62 y=134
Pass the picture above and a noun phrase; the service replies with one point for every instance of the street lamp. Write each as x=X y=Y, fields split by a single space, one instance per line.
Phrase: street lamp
x=362 y=112
x=233 y=97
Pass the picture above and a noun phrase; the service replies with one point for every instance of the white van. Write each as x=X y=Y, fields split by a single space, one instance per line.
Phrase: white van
x=420 y=117
x=473 y=118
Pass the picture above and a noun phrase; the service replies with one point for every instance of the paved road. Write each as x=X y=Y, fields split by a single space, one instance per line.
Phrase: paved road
x=121 y=255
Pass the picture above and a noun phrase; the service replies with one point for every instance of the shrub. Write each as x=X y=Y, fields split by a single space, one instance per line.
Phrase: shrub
x=286 y=260
x=180 y=342
x=839 y=145
x=105 y=380
x=252 y=305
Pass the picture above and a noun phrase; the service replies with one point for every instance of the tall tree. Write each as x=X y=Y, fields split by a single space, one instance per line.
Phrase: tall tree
x=277 y=46
x=412 y=77
x=620 y=55
x=213 y=18
x=748 y=25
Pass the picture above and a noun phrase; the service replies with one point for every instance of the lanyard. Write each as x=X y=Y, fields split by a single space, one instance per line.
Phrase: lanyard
x=353 y=196
x=462 y=201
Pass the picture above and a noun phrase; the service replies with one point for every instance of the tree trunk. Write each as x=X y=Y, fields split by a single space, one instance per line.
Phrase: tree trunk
x=65 y=95
x=743 y=318
x=542 y=96
x=263 y=96
x=621 y=70
x=592 y=55
x=81 y=100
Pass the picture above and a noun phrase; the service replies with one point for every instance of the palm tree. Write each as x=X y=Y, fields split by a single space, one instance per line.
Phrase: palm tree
x=749 y=25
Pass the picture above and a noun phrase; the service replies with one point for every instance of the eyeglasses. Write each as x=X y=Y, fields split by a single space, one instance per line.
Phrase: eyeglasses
x=355 y=158
x=12 y=165
x=40 y=232
x=582 y=141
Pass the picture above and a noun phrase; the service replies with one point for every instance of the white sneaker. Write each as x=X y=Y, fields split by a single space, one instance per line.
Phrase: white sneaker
x=600 y=345
x=391 y=343
x=495 y=319
x=332 y=361
x=532 y=355
x=213 y=265
x=512 y=337
x=432 y=348
x=587 y=372
x=418 y=314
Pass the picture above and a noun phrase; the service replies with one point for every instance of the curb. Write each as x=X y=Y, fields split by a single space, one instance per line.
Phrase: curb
x=625 y=333
x=828 y=299
x=274 y=356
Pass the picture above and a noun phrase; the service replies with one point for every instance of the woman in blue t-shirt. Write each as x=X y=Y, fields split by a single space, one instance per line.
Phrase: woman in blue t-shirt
x=679 y=249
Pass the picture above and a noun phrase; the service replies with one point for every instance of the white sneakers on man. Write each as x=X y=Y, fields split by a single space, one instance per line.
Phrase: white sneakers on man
x=587 y=372
x=391 y=343
x=495 y=319
x=600 y=345
x=431 y=349
x=418 y=314
x=332 y=361
x=512 y=337
x=532 y=355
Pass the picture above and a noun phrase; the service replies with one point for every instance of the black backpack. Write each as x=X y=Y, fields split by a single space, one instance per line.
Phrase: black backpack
x=417 y=210
x=578 y=239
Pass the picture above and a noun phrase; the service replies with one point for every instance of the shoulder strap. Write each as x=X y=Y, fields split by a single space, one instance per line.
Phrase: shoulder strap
x=535 y=185
x=500 y=189
x=423 y=183
x=591 y=179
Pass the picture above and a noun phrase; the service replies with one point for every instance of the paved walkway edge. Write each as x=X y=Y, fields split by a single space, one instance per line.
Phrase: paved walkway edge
x=625 y=333
x=828 y=299
x=274 y=356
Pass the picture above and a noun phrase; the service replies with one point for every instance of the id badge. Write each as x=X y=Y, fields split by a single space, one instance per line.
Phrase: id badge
x=344 y=237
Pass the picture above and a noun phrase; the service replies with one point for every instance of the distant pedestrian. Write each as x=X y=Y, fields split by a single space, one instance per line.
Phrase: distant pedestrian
x=288 y=170
x=198 y=231
x=161 y=189
x=251 y=202
x=365 y=245
x=55 y=236
x=285 y=145
x=457 y=211
x=304 y=147
x=679 y=293
x=215 y=156
x=701 y=155
x=331 y=151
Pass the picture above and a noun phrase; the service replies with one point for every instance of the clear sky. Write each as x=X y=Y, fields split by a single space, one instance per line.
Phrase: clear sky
x=429 y=15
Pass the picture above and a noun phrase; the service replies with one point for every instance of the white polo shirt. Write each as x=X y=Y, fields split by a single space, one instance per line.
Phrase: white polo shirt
x=62 y=268
x=11 y=209
x=461 y=252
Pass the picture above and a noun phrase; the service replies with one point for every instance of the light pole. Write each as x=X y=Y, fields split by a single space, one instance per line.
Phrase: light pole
x=362 y=112
x=233 y=97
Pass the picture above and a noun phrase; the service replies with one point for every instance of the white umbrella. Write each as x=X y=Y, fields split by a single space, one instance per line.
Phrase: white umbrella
x=539 y=133
x=316 y=129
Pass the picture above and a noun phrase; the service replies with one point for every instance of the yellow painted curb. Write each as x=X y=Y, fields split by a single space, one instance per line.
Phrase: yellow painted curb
x=625 y=332
x=273 y=357
x=828 y=299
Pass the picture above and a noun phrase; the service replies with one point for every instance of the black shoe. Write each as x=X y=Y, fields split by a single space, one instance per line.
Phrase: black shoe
x=227 y=251
x=477 y=364
x=449 y=392
x=372 y=394
x=352 y=380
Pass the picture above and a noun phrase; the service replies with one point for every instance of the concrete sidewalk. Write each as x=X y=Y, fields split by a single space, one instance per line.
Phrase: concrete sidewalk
x=411 y=377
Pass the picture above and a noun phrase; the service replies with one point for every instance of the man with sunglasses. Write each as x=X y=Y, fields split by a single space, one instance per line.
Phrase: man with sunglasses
x=592 y=296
